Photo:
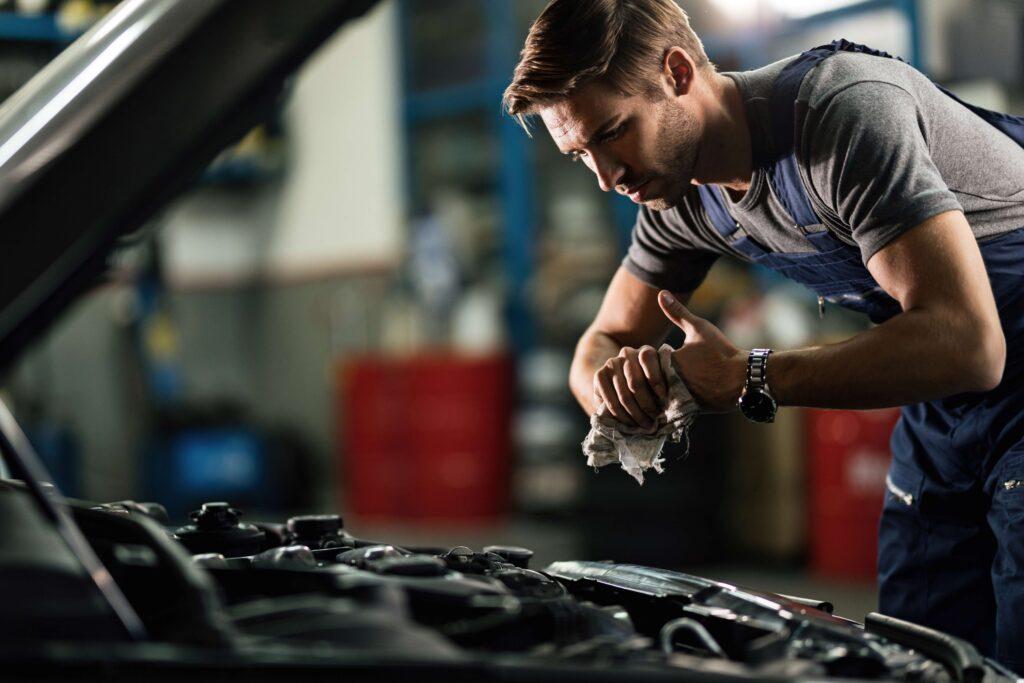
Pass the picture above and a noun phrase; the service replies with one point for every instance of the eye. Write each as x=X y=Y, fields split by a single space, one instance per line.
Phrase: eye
x=577 y=156
x=614 y=133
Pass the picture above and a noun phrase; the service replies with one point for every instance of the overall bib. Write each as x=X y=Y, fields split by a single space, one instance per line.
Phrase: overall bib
x=951 y=539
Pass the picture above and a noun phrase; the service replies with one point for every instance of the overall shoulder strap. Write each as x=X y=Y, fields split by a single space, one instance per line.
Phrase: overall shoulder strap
x=783 y=173
x=717 y=213
x=782 y=170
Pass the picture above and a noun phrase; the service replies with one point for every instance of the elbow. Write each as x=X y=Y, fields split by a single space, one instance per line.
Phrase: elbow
x=581 y=372
x=576 y=378
x=986 y=358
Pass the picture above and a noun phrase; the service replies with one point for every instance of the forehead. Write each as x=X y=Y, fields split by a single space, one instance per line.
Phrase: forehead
x=573 y=120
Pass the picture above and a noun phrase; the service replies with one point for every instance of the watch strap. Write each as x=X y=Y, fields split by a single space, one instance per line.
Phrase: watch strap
x=757 y=369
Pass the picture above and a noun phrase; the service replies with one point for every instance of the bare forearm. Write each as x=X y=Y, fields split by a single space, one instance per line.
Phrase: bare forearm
x=592 y=351
x=916 y=356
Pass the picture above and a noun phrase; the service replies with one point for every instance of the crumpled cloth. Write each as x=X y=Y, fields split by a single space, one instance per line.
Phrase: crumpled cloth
x=637 y=449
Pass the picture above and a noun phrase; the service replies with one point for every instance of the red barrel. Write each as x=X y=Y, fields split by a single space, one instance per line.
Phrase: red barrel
x=847 y=457
x=425 y=437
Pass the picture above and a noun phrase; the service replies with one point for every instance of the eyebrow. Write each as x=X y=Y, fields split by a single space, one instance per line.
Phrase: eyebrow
x=602 y=129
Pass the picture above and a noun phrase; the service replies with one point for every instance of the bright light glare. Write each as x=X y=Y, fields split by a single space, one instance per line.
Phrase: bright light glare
x=744 y=10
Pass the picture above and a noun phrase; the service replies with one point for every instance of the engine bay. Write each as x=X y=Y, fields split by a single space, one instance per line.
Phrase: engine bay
x=309 y=588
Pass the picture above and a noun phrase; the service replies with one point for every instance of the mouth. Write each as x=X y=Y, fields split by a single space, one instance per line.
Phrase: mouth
x=639 y=192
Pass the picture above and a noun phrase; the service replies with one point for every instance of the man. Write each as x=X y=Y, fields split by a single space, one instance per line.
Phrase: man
x=869 y=185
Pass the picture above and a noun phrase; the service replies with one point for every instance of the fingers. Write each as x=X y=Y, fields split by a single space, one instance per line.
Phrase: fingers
x=636 y=380
x=628 y=399
x=604 y=387
x=633 y=387
x=640 y=390
x=651 y=366
x=679 y=314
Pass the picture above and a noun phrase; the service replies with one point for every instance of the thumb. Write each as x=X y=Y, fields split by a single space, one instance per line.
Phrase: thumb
x=679 y=314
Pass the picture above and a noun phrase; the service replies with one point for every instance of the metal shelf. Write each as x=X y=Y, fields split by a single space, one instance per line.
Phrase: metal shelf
x=452 y=101
x=515 y=172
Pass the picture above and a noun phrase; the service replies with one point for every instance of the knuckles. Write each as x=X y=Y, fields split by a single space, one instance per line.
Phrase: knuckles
x=630 y=363
x=647 y=354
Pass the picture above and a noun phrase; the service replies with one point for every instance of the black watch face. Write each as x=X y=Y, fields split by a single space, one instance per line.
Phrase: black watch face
x=758 y=406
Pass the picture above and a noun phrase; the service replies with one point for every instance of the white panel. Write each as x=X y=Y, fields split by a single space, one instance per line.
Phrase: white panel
x=343 y=200
x=215 y=236
x=340 y=205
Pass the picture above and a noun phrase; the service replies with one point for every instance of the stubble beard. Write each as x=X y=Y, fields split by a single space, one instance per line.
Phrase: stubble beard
x=677 y=157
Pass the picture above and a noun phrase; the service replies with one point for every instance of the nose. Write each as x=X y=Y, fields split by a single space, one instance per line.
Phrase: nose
x=609 y=171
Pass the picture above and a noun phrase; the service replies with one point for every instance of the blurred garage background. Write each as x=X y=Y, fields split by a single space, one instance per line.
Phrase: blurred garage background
x=369 y=306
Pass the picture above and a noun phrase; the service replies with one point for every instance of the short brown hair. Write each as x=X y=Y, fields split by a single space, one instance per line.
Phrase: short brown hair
x=575 y=42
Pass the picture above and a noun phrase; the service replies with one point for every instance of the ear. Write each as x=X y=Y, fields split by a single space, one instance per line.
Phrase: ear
x=678 y=72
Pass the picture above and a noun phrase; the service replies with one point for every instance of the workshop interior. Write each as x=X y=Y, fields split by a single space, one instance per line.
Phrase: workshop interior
x=285 y=335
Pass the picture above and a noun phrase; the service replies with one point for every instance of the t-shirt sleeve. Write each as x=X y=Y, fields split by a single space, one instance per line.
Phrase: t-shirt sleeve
x=870 y=163
x=663 y=256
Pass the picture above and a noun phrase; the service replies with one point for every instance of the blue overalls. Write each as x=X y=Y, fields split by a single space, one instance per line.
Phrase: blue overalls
x=951 y=539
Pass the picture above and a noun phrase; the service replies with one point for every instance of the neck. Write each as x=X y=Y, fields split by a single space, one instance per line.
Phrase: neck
x=726 y=156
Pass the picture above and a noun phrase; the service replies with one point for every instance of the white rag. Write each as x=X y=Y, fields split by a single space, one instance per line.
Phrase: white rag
x=638 y=449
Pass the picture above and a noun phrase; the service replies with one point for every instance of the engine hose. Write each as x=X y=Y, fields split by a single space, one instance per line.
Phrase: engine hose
x=668 y=632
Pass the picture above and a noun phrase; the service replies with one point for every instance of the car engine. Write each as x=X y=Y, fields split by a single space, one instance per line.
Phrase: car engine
x=310 y=586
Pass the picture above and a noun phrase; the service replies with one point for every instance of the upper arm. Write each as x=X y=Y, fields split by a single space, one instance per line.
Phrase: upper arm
x=936 y=270
x=630 y=313
x=871 y=166
x=937 y=265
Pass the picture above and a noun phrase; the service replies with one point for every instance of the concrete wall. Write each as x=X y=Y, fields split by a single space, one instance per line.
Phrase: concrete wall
x=82 y=378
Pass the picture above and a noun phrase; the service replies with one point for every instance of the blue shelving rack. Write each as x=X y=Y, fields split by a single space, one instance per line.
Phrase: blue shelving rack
x=517 y=175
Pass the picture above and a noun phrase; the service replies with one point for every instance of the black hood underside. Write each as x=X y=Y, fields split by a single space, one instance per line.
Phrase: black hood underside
x=121 y=123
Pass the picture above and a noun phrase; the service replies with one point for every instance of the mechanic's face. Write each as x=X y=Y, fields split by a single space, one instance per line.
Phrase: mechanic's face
x=643 y=148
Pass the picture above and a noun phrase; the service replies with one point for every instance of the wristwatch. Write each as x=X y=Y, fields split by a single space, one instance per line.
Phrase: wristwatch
x=756 y=402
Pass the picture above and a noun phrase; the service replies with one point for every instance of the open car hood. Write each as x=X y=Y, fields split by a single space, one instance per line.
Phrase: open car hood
x=121 y=122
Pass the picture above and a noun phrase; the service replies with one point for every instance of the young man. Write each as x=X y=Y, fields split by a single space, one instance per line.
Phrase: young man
x=855 y=175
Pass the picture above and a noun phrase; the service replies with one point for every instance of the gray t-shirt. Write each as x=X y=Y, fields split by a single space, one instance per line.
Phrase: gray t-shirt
x=880 y=150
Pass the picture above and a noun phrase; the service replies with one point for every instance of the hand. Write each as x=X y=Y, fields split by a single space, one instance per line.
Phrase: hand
x=712 y=368
x=633 y=386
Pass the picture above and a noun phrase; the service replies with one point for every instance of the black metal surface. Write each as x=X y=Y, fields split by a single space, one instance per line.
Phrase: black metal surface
x=743 y=625
x=811 y=602
x=23 y=462
x=174 y=597
x=216 y=528
x=122 y=122
x=292 y=611
x=963 y=660
x=43 y=586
